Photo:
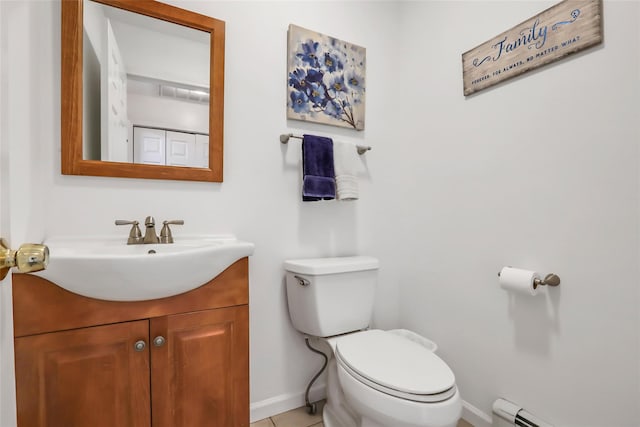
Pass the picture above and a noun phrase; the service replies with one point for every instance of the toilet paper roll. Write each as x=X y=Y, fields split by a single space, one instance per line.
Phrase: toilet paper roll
x=518 y=280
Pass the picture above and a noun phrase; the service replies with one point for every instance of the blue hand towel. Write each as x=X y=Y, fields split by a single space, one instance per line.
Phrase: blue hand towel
x=318 y=180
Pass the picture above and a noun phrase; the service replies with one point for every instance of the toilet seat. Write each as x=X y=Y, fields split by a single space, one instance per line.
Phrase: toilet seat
x=396 y=366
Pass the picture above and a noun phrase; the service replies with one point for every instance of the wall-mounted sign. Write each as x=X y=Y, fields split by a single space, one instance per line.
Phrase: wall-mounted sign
x=563 y=29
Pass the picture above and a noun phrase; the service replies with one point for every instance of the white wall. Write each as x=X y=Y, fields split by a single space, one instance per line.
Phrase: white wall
x=152 y=54
x=259 y=200
x=157 y=111
x=541 y=172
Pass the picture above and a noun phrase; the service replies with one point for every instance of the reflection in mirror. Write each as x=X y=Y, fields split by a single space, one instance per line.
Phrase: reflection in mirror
x=142 y=90
x=146 y=89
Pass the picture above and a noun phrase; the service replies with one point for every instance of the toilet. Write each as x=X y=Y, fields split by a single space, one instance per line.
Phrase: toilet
x=375 y=378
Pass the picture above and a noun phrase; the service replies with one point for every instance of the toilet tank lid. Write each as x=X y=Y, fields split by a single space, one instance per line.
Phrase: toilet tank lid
x=318 y=266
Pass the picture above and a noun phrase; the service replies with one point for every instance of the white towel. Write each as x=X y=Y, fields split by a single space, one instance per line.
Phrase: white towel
x=345 y=163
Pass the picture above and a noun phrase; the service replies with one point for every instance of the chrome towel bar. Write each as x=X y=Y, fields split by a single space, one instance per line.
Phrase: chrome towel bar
x=284 y=138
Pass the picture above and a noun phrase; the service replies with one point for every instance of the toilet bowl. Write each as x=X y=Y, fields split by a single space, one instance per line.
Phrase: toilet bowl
x=389 y=380
x=375 y=378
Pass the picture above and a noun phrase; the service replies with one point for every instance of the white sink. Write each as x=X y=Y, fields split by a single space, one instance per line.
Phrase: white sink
x=107 y=268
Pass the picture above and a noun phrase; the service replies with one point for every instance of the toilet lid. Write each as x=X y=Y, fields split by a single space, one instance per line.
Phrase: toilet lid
x=396 y=364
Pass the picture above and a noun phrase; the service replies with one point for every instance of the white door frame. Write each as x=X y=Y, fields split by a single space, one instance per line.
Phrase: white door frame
x=21 y=108
x=7 y=366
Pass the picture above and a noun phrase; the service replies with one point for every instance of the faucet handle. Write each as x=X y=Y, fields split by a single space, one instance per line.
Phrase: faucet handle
x=165 y=233
x=135 y=235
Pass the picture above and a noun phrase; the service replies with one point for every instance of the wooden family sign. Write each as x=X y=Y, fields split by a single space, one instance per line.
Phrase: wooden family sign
x=563 y=29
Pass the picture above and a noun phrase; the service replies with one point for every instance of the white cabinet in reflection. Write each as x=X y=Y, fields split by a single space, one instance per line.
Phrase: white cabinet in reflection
x=149 y=146
x=202 y=151
x=171 y=148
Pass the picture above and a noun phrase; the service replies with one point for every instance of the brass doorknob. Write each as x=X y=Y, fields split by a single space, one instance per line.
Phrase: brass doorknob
x=28 y=258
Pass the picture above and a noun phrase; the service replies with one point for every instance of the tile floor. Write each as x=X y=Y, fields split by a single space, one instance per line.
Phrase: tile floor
x=300 y=418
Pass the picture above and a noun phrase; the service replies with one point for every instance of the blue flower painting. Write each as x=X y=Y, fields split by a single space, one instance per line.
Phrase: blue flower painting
x=326 y=79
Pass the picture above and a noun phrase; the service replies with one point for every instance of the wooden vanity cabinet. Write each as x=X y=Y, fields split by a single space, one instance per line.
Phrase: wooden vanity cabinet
x=80 y=377
x=80 y=361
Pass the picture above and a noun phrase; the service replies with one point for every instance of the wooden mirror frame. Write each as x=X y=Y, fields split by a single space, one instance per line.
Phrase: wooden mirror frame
x=71 y=94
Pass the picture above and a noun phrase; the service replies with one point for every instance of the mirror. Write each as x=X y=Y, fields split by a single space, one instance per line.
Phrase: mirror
x=142 y=91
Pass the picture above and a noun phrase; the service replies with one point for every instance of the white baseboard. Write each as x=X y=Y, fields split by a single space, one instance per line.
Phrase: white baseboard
x=283 y=403
x=475 y=416
x=286 y=402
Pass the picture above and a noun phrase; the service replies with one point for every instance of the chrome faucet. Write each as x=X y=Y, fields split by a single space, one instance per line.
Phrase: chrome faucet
x=150 y=235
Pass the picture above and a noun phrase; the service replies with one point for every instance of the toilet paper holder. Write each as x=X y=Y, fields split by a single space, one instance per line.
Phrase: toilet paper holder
x=550 y=279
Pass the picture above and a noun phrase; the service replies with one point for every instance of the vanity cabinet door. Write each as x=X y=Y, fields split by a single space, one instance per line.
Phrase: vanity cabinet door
x=200 y=368
x=84 y=377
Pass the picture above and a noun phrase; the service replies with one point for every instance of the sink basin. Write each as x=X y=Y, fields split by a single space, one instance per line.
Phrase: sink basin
x=107 y=268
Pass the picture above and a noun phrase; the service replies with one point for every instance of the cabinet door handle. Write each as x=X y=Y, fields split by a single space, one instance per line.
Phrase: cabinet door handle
x=139 y=345
x=159 y=341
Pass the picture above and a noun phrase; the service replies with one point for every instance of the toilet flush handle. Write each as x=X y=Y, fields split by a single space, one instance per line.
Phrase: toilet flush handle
x=302 y=281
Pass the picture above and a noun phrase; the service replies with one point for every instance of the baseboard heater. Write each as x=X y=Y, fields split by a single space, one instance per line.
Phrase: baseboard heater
x=517 y=415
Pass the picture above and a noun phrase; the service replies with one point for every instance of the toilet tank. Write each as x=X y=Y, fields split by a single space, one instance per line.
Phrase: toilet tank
x=331 y=296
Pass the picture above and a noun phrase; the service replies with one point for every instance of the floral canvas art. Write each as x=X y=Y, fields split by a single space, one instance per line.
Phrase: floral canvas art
x=326 y=79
